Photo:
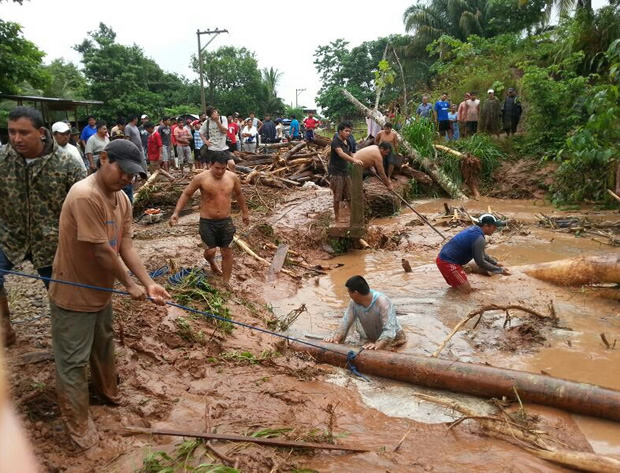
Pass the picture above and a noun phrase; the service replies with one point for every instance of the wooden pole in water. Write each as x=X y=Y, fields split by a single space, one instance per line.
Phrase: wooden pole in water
x=478 y=380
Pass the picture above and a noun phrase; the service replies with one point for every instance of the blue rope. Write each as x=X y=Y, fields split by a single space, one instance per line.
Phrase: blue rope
x=188 y=309
x=159 y=272
x=351 y=367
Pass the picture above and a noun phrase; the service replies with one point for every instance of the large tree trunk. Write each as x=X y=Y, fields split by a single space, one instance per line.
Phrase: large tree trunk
x=475 y=379
x=577 y=271
x=437 y=174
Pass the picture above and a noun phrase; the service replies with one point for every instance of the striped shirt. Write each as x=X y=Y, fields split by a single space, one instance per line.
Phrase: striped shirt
x=198 y=143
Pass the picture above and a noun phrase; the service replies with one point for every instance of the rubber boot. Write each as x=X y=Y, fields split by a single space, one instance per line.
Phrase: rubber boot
x=8 y=334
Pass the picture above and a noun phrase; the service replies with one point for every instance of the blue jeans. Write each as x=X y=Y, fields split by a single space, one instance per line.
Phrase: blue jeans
x=7 y=265
x=129 y=191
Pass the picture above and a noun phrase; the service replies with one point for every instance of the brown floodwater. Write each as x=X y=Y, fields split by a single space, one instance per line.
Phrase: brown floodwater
x=428 y=309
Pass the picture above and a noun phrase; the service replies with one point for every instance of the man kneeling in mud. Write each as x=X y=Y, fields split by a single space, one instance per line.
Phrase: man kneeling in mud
x=374 y=316
x=216 y=226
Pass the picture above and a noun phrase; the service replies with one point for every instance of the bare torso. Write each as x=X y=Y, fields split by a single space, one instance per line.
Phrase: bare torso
x=216 y=195
x=370 y=156
x=387 y=137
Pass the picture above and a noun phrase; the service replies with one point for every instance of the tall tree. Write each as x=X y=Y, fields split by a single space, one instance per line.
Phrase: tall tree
x=125 y=79
x=233 y=81
x=20 y=60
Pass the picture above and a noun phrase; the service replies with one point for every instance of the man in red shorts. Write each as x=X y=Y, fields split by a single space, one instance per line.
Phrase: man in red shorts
x=465 y=246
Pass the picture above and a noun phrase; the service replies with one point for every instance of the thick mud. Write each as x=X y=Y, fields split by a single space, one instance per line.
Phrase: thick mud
x=428 y=308
x=178 y=371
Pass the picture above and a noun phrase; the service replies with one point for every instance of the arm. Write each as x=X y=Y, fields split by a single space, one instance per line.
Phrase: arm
x=347 y=157
x=481 y=260
x=108 y=260
x=192 y=187
x=345 y=326
x=223 y=128
x=378 y=138
x=132 y=260
x=381 y=171
x=89 y=155
x=241 y=200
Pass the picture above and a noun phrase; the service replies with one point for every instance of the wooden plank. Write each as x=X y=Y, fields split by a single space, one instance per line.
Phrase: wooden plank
x=242 y=438
x=277 y=262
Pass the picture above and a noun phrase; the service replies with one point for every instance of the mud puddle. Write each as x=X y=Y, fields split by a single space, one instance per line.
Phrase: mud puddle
x=428 y=309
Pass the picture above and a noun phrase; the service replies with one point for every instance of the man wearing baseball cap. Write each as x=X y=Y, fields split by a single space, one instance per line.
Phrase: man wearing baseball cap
x=94 y=230
x=62 y=133
x=465 y=246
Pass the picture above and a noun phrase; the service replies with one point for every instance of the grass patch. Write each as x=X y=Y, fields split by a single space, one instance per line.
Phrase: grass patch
x=195 y=292
x=246 y=357
x=179 y=461
x=271 y=433
x=187 y=332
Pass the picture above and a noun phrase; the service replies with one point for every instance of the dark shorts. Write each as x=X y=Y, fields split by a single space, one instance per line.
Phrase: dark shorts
x=393 y=160
x=310 y=135
x=197 y=155
x=217 y=233
x=472 y=127
x=444 y=125
x=341 y=187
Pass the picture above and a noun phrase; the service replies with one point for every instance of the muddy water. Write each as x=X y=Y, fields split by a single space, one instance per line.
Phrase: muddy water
x=428 y=309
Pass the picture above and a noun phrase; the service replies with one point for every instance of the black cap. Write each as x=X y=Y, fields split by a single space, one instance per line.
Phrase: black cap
x=127 y=155
x=488 y=219
x=75 y=131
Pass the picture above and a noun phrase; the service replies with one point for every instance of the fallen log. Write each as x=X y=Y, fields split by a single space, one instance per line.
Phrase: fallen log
x=148 y=184
x=322 y=141
x=243 y=438
x=478 y=380
x=244 y=246
x=416 y=175
x=295 y=149
x=580 y=271
x=613 y=194
x=275 y=145
x=431 y=168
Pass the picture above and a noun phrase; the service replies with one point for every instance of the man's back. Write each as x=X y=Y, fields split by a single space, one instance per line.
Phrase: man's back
x=370 y=156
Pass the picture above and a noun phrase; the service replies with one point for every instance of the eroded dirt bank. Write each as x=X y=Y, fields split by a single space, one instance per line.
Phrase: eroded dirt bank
x=178 y=372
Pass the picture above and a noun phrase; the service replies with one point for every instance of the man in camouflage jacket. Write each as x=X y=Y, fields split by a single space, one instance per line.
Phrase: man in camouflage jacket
x=35 y=177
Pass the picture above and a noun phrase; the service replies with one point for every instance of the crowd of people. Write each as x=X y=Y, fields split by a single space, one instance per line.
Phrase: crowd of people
x=471 y=116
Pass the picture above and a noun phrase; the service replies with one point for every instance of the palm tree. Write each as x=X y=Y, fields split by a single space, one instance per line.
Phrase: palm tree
x=456 y=18
x=271 y=77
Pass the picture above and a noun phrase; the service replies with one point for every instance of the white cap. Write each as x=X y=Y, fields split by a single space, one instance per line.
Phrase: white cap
x=144 y=116
x=60 y=127
x=490 y=91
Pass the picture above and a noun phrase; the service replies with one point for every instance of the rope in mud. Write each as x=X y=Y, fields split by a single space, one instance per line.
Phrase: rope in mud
x=350 y=358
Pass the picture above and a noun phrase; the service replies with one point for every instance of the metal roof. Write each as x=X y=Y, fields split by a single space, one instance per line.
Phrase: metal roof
x=55 y=100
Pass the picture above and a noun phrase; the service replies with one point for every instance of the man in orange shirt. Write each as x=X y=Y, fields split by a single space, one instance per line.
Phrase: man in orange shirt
x=94 y=230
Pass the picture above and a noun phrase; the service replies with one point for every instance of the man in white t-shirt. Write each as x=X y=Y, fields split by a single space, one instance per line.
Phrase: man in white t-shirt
x=62 y=132
x=213 y=133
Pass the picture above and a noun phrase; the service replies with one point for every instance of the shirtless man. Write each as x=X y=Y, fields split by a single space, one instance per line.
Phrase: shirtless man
x=388 y=136
x=216 y=227
x=373 y=156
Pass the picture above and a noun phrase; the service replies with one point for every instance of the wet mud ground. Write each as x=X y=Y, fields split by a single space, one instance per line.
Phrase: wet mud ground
x=200 y=379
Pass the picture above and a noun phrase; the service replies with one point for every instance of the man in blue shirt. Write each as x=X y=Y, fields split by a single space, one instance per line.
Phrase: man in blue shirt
x=465 y=246
x=442 y=108
x=88 y=130
x=294 y=130
x=425 y=109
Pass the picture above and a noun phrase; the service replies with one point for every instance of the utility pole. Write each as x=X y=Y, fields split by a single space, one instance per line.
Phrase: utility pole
x=215 y=32
x=297 y=92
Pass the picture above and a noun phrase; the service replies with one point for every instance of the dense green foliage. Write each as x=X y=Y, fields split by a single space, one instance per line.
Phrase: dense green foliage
x=234 y=82
x=128 y=81
x=20 y=60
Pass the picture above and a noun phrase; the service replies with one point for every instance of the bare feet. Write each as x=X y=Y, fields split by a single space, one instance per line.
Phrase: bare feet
x=214 y=268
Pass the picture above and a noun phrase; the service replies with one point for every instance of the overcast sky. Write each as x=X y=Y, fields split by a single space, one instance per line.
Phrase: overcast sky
x=283 y=34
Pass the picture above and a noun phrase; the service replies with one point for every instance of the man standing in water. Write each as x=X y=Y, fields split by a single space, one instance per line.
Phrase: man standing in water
x=216 y=226
x=465 y=246
x=374 y=316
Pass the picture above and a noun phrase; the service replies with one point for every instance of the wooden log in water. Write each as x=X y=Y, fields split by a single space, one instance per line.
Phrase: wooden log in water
x=580 y=271
x=475 y=379
x=379 y=202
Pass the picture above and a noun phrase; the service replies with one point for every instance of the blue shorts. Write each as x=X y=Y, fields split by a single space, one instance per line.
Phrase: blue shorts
x=309 y=135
